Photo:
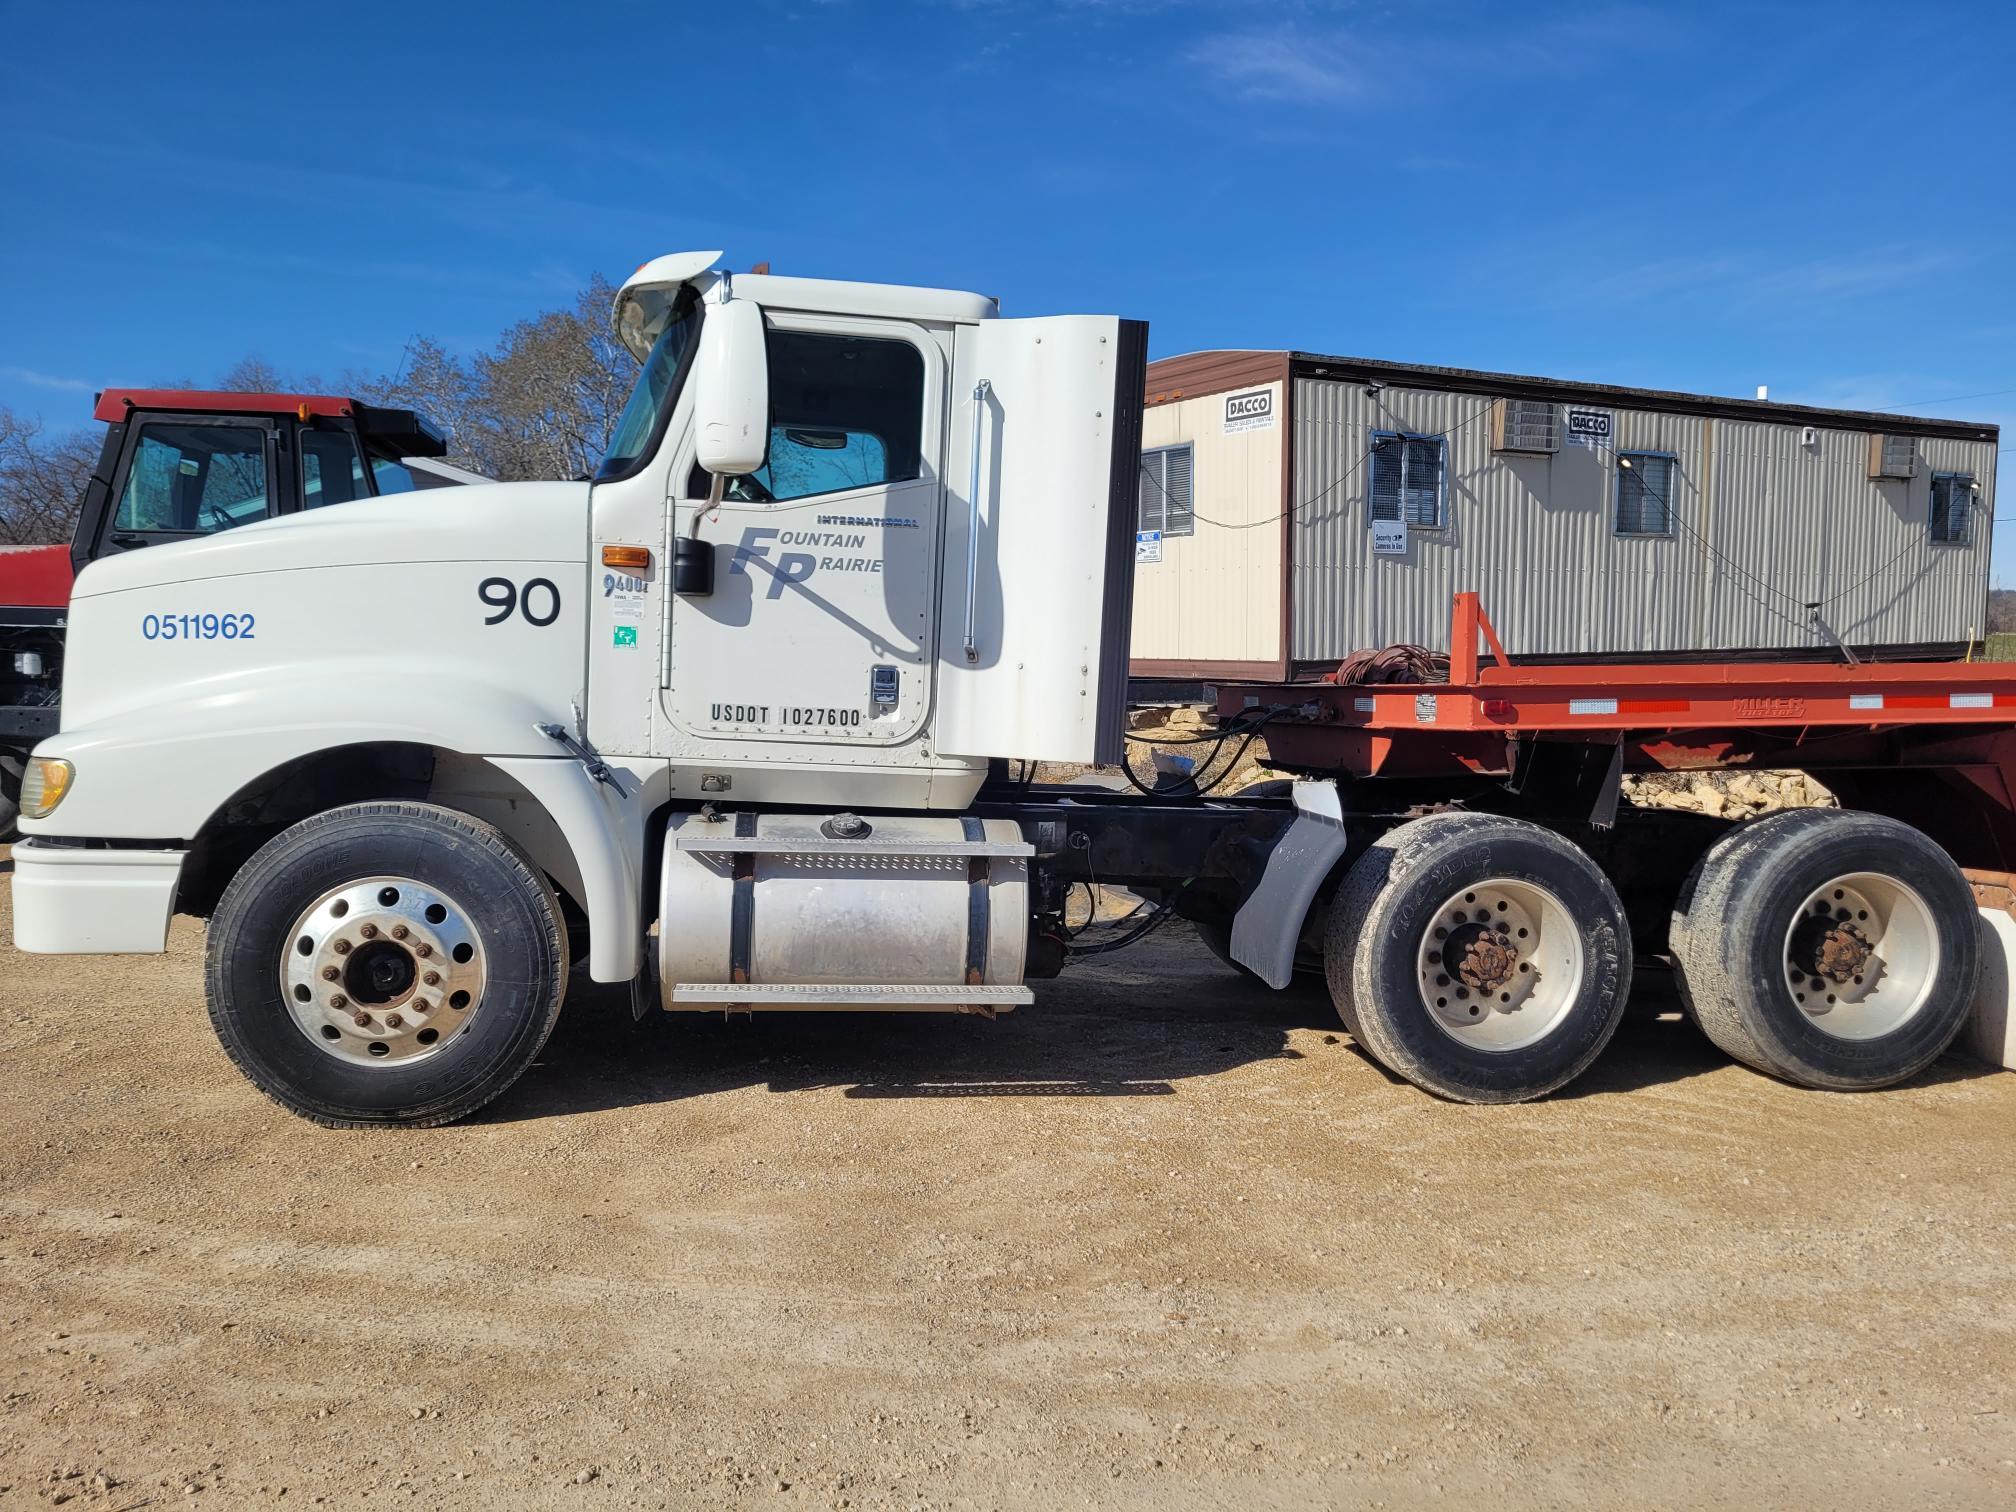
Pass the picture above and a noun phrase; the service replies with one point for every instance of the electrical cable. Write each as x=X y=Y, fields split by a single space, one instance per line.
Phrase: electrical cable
x=1199 y=788
x=1140 y=931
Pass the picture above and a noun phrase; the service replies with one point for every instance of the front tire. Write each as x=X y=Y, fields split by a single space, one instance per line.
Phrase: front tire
x=386 y=963
x=11 y=769
x=1485 y=959
x=1829 y=948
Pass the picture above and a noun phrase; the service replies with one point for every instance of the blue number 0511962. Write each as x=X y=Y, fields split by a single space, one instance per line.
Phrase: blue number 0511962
x=198 y=626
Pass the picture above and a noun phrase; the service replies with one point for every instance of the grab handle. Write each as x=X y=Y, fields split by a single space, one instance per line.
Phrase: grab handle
x=980 y=392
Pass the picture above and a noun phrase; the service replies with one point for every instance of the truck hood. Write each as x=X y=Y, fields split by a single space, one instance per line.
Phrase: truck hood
x=491 y=522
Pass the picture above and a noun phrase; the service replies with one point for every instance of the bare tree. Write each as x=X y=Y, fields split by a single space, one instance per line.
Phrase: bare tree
x=253 y=374
x=547 y=400
x=42 y=480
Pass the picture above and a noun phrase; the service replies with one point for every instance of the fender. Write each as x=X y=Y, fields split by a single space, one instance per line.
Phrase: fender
x=1268 y=925
x=160 y=772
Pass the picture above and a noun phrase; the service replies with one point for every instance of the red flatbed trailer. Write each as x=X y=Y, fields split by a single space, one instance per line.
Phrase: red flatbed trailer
x=1929 y=743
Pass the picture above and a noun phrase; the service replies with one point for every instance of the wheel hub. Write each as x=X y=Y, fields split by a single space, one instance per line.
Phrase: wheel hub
x=1840 y=954
x=1500 y=964
x=1860 y=955
x=1483 y=956
x=383 y=970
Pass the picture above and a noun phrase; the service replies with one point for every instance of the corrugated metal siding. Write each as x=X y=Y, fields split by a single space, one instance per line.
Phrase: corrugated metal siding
x=1762 y=525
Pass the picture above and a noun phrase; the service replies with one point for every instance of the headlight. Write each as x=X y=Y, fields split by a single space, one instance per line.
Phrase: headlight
x=43 y=785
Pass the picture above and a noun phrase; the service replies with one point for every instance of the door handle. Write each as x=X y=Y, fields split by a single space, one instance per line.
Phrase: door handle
x=980 y=392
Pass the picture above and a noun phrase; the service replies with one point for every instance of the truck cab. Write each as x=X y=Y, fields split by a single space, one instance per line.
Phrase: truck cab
x=713 y=720
x=177 y=464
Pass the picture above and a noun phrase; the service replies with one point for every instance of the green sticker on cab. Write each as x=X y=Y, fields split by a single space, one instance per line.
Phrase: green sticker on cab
x=626 y=635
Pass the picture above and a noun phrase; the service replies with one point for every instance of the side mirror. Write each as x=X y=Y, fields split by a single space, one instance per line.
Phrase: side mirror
x=731 y=403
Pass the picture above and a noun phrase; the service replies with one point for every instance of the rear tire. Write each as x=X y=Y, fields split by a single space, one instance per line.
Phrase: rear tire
x=386 y=963
x=1833 y=949
x=1485 y=959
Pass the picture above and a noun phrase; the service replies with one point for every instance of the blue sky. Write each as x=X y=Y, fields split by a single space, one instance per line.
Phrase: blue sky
x=1703 y=197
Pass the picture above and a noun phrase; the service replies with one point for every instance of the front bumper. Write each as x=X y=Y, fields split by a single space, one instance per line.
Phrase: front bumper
x=72 y=900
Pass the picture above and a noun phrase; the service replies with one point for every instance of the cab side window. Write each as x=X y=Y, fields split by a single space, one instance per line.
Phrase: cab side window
x=331 y=470
x=195 y=480
x=845 y=412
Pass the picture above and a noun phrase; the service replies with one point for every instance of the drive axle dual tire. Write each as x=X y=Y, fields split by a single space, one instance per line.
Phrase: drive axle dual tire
x=1832 y=949
x=386 y=963
x=1484 y=959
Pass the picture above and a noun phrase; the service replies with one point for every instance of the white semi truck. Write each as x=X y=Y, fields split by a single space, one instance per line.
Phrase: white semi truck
x=740 y=712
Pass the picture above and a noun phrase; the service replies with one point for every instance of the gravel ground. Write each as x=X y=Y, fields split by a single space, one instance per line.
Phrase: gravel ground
x=1163 y=1240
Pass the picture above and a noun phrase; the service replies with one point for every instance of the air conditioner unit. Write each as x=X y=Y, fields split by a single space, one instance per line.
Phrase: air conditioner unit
x=1893 y=456
x=1525 y=425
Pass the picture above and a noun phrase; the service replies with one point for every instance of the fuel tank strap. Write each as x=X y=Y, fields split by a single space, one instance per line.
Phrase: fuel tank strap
x=742 y=908
x=979 y=873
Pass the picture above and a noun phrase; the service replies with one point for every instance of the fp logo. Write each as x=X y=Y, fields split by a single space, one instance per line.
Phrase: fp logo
x=788 y=568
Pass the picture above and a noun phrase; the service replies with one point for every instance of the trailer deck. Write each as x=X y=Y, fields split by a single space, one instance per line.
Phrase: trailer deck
x=1933 y=743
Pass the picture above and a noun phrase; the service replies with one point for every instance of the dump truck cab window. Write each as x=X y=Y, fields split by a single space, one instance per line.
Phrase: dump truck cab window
x=194 y=480
x=332 y=470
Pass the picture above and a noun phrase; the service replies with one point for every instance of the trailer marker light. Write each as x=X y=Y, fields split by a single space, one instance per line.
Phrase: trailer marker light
x=1592 y=706
x=1364 y=705
x=43 y=785
x=629 y=558
x=1970 y=701
x=1865 y=700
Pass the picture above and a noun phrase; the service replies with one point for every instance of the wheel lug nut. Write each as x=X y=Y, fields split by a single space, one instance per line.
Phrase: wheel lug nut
x=423 y=950
x=330 y=973
x=399 y=931
x=431 y=978
x=337 y=1000
x=362 y=1020
x=393 y=1021
x=369 y=931
x=341 y=947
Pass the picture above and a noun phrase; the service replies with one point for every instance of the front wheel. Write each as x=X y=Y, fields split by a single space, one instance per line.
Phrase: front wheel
x=1485 y=959
x=386 y=963
x=11 y=768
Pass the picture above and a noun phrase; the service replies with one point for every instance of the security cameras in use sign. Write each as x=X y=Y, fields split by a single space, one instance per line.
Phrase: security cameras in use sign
x=1249 y=411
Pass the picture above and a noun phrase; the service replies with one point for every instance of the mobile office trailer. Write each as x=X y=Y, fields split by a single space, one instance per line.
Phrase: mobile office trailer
x=1296 y=507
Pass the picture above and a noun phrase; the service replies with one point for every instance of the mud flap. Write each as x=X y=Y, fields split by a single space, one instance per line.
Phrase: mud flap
x=1268 y=925
x=646 y=994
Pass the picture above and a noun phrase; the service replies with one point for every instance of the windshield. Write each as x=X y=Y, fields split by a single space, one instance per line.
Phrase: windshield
x=657 y=386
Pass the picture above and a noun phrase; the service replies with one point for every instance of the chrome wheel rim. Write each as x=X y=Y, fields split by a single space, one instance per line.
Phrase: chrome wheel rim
x=1861 y=955
x=383 y=971
x=1499 y=965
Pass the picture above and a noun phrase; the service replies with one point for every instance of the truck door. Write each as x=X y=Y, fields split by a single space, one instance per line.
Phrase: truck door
x=189 y=475
x=820 y=625
x=1033 y=661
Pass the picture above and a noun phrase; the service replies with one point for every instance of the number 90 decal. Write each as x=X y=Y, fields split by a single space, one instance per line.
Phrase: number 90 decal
x=538 y=601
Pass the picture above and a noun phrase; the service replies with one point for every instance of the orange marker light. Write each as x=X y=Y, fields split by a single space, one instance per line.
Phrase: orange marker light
x=629 y=558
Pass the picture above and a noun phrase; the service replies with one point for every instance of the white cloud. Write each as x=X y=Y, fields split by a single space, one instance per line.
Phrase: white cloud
x=1286 y=64
x=1371 y=60
x=46 y=380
